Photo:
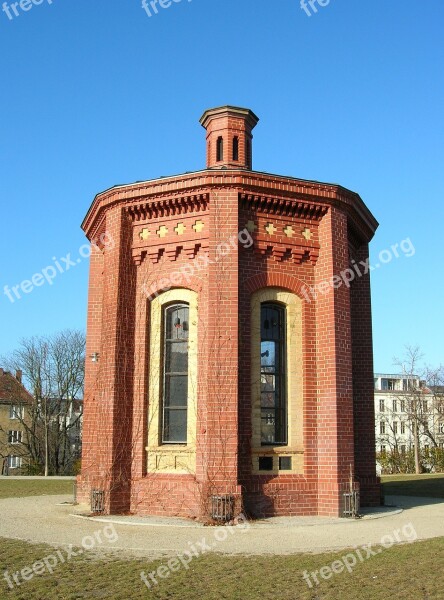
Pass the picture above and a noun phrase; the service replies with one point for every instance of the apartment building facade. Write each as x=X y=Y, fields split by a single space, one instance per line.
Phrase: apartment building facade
x=402 y=404
x=15 y=401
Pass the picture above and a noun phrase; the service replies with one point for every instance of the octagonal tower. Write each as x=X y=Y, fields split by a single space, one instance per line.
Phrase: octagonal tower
x=229 y=340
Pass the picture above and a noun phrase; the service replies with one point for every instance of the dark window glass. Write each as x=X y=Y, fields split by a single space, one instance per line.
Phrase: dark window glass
x=235 y=148
x=175 y=374
x=285 y=463
x=273 y=375
x=248 y=153
x=265 y=463
x=220 y=149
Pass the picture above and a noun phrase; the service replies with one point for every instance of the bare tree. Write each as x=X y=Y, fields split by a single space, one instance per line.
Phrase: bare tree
x=53 y=370
x=423 y=399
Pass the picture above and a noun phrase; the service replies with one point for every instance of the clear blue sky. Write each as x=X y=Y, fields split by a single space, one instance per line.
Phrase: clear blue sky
x=97 y=93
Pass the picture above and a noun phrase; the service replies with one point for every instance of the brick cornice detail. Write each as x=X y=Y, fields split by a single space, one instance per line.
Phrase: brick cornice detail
x=177 y=193
x=167 y=207
x=288 y=207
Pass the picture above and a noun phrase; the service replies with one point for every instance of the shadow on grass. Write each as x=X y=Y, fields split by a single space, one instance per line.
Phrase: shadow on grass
x=417 y=490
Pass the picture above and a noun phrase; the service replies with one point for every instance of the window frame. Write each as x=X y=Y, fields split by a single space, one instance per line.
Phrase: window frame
x=16 y=412
x=220 y=149
x=296 y=383
x=15 y=437
x=163 y=441
x=281 y=385
x=170 y=458
x=17 y=460
x=235 y=148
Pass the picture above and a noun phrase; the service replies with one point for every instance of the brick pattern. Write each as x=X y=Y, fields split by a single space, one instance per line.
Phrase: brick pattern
x=363 y=383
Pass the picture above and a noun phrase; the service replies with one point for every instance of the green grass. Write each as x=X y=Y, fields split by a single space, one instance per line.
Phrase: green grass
x=429 y=486
x=411 y=572
x=19 y=488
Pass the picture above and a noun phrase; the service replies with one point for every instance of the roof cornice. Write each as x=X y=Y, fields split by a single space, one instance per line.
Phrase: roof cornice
x=253 y=182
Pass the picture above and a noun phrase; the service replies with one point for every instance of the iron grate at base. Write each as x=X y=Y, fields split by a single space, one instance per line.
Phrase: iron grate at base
x=97 y=501
x=222 y=508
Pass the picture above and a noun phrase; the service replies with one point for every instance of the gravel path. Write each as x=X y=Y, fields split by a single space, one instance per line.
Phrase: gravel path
x=46 y=519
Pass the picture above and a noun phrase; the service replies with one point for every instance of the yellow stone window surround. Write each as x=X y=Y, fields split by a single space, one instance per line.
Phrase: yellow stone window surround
x=170 y=457
x=294 y=382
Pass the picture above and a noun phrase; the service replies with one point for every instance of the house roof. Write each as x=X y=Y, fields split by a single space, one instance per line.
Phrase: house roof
x=12 y=390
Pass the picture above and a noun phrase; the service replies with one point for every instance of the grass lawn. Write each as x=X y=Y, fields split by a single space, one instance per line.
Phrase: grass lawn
x=19 y=488
x=429 y=486
x=411 y=572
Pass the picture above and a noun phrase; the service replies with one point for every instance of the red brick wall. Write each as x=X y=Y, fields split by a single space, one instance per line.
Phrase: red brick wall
x=363 y=383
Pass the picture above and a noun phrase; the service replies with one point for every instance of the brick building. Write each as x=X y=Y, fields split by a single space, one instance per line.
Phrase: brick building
x=229 y=340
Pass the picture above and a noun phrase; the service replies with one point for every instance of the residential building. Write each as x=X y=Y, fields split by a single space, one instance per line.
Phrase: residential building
x=400 y=401
x=15 y=402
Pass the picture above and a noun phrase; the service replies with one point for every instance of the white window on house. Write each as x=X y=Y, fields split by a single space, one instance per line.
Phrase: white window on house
x=402 y=427
x=388 y=385
x=383 y=449
x=403 y=449
x=395 y=405
x=395 y=427
x=381 y=405
x=402 y=405
x=16 y=411
x=382 y=427
x=425 y=405
x=14 y=462
x=15 y=437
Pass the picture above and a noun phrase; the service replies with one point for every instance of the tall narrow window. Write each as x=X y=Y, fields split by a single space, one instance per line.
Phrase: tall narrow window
x=248 y=153
x=273 y=375
x=235 y=148
x=220 y=149
x=175 y=374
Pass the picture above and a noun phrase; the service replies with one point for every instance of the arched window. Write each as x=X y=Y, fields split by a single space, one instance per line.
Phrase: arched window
x=273 y=375
x=175 y=374
x=220 y=149
x=172 y=382
x=235 y=148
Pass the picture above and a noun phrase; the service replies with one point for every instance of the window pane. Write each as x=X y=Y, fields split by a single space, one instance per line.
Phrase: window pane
x=273 y=375
x=177 y=324
x=175 y=374
x=175 y=425
x=271 y=320
x=176 y=357
x=268 y=382
x=176 y=390
x=268 y=426
x=268 y=355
